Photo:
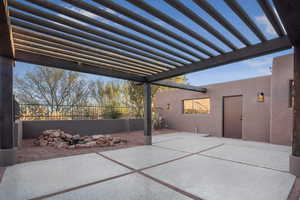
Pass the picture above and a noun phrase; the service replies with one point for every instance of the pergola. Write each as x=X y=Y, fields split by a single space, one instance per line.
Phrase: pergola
x=47 y=33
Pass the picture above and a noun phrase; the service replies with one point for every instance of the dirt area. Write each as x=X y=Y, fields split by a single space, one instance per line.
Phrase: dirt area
x=30 y=152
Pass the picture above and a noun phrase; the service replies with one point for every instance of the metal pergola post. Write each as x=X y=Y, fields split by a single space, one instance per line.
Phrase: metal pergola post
x=289 y=13
x=147 y=114
x=295 y=157
x=7 y=150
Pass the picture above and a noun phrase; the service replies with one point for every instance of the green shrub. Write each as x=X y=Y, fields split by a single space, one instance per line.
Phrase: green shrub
x=111 y=112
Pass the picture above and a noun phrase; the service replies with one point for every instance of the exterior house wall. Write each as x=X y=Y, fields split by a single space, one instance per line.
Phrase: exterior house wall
x=281 y=118
x=255 y=115
x=268 y=121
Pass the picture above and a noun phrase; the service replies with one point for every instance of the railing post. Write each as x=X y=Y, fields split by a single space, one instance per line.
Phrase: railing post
x=7 y=150
x=147 y=114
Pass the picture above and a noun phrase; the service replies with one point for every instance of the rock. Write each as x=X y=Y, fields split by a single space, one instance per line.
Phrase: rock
x=68 y=136
x=61 y=145
x=91 y=144
x=109 y=137
x=60 y=139
x=71 y=147
x=43 y=143
x=76 y=137
x=97 y=137
x=116 y=140
x=89 y=139
x=55 y=134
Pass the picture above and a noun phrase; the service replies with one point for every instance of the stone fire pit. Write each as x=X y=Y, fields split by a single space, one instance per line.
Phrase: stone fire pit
x=59 y=139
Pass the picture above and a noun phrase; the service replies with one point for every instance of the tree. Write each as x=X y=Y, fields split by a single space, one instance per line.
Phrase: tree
x=54 y=87
x=134 y=94
x=106 y=93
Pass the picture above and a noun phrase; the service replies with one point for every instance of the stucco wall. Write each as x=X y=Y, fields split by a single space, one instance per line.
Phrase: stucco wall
x=32 y=129
x=256 y=116
x=281 y=115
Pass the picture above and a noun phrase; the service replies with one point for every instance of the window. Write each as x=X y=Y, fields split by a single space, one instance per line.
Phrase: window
x=196 y=106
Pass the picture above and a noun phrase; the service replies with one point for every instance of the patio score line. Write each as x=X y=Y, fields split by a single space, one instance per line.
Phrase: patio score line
x=139 y=171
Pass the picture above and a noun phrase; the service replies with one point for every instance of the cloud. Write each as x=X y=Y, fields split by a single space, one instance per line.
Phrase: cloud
x=261 y=65
x=267 y=25
x=263 y=20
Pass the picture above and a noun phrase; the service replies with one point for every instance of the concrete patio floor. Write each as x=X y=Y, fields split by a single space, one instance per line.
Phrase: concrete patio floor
x=177 y=166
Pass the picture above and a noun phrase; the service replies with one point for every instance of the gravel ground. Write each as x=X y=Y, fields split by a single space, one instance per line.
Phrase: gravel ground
x=30 y=152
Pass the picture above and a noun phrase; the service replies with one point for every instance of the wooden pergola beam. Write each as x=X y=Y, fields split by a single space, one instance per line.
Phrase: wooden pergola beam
x=171 y=84
x=6 y=46
x=259 y=49
x=288 y=12
x=44 y=60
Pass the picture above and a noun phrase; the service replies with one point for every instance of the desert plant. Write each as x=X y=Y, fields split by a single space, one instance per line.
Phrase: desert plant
x=111 y=112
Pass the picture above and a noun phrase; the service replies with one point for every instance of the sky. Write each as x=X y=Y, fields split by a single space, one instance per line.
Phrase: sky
x=245 y=69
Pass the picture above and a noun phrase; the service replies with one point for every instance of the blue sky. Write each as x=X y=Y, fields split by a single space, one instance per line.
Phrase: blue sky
x=245 y=69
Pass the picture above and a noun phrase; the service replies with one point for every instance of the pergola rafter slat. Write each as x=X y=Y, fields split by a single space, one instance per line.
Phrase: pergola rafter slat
x=31 y=36
x=239 y=11
x=192 y=15
x=101 y=25
x=106 y=45
x=48 y=50
x=169 y=20
x=21 y=27
x=222 y=20
x=97 y=11
x=33 y=42
x=51 y=59
x=143 y=55
x=114 y=6
x=105 y=38
x=270 y=14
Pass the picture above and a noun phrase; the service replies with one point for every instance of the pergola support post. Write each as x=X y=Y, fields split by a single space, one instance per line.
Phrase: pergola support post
x=295 y=157
x=147 y=114
x=7 y=149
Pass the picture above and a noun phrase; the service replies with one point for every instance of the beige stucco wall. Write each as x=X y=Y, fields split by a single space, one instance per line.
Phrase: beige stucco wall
x=270 y=121
x=281 y=118
x=255 y=115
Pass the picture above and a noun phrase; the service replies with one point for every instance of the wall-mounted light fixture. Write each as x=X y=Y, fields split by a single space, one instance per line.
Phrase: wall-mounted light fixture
x=168 y=106
x=261 y=97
